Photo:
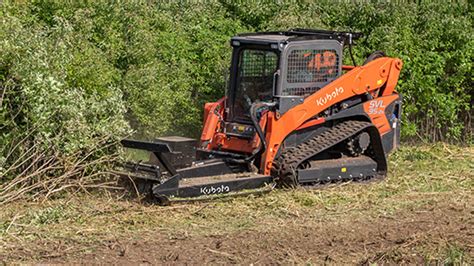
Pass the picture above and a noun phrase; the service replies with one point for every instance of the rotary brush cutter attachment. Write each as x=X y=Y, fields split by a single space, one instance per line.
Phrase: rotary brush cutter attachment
x=173 y=173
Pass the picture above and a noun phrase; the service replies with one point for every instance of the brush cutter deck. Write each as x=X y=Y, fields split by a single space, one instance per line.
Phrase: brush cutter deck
x=202 y=177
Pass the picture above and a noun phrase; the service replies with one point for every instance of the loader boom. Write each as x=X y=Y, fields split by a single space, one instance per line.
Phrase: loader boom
x=365 y=79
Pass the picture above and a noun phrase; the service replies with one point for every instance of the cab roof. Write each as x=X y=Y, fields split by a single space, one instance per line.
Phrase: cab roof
x=293 y=35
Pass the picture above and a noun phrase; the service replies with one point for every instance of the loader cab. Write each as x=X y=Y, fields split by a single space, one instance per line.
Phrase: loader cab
x=284 y=67
x=252 y=79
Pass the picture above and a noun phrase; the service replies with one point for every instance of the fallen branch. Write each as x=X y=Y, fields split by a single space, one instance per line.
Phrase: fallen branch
x=43 y=173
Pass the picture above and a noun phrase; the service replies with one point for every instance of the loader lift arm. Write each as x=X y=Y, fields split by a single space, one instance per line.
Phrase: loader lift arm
x=383 y=72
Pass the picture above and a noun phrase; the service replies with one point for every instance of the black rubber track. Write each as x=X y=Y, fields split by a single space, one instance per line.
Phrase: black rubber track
x=289 y=161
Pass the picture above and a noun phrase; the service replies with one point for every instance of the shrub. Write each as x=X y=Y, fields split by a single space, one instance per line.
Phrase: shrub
x=61 y=108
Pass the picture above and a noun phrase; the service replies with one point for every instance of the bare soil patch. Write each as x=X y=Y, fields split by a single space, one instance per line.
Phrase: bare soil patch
x=406 y=237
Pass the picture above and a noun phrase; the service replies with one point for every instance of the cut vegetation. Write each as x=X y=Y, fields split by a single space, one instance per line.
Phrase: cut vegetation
x=423 y=212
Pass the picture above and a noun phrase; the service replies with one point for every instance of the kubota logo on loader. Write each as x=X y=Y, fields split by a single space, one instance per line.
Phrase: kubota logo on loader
x=329 y=96
x=214 y=190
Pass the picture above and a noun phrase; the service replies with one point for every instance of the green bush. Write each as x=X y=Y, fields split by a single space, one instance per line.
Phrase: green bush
x=62 y=107
x=76 y=74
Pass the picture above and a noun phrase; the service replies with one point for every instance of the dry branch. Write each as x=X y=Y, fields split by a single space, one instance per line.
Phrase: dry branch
x=42 y=173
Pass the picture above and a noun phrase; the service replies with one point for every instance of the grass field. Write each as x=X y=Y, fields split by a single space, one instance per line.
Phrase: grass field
x=423 y=212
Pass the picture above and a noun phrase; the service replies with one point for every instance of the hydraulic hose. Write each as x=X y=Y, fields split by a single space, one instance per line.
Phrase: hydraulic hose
x=263 y=144
x=256 y=124
x=253 y=115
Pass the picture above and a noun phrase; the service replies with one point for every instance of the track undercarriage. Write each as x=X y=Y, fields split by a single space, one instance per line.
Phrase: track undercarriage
x=301 y=165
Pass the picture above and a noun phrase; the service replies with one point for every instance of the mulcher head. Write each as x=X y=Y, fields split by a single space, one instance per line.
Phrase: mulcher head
x=172 y=171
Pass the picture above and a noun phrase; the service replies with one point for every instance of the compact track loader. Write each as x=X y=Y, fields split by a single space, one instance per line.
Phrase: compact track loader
x=293 y=115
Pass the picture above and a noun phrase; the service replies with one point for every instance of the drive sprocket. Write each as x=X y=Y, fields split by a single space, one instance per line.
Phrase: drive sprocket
x=358 y=144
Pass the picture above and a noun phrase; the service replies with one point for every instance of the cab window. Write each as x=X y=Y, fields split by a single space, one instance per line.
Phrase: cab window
x=254 y=80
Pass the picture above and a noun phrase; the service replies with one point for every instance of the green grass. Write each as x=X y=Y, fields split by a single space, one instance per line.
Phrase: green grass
x=455 y=255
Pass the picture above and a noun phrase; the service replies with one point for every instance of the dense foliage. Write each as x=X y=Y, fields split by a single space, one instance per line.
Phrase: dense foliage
x=75 y=75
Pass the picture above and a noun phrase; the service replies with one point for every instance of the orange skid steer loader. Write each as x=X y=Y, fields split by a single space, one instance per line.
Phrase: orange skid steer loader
x=293 y=115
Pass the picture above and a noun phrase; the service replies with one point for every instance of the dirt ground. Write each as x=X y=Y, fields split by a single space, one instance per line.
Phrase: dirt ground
x=398 y=238
x=422 y=213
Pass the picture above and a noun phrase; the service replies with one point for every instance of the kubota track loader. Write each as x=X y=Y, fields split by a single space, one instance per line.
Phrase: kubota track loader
x=293 y=115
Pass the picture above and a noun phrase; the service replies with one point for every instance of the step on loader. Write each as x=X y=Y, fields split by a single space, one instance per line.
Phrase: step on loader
x=293 y=115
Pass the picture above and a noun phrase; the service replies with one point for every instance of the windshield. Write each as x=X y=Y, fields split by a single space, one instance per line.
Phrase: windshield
x=254 y=80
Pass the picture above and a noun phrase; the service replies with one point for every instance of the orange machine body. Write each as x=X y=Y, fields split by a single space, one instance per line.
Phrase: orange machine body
x=377 y=78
